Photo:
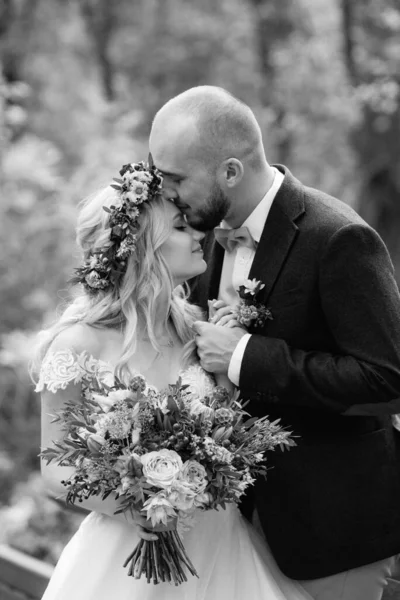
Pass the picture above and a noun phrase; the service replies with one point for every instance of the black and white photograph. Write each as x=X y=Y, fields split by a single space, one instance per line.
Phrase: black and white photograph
x=200 y=306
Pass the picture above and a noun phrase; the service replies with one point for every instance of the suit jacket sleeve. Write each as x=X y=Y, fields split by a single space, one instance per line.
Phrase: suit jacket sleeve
x=361 y=304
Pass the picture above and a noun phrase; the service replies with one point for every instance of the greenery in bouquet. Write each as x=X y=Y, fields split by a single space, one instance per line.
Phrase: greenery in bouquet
x=166 y=454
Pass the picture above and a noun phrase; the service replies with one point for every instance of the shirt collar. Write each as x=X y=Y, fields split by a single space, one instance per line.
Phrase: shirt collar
x=256 y=220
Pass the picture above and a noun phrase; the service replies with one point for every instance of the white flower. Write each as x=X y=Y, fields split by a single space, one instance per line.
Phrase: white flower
x=105 y=375
x=94 y=262
x=121 y=465
x=114 y=424
x=216 y=452
x=159 y=509
x=253 y=286
x=194 y=476
x=135 y=437
x=103 y=401
x=126 y=482
x=181 y=496
x=143 y=176
x=83 y=433
x=197 y=407
x=120 y=395
x=95 y=442
x=161 y=402
x=223 y=455
x=202 y=500
x=131 y=197
x=133 y=213
x=129 y=177
x=258 y=457
x=161 y=467
x=199 y=384
x=107 y=402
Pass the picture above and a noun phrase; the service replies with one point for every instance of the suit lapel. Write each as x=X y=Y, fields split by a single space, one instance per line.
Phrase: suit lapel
x=279 y=233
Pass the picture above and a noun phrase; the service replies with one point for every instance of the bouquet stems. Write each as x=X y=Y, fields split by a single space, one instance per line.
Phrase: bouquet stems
x=161 y=560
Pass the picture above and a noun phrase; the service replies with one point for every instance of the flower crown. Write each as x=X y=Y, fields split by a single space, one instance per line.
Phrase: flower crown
x=106 y=266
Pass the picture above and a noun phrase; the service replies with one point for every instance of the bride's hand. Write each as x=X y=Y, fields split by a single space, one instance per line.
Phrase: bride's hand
x=221 y=314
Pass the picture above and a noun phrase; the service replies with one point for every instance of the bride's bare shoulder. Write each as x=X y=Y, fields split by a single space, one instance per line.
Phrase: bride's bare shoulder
x=79 y=338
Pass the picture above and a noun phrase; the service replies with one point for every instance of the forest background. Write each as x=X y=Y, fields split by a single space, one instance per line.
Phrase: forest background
x=80 y=81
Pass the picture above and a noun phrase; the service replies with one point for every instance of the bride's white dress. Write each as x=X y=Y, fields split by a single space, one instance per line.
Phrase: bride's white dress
x=232 y=560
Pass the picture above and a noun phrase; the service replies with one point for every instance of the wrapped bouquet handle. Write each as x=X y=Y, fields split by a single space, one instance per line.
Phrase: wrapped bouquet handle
x=159 y=561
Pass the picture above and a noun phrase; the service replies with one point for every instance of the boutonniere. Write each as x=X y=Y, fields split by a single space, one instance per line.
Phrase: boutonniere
x=249 y=311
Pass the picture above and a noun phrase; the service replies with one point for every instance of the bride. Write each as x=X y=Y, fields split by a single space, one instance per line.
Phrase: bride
x=132 y=316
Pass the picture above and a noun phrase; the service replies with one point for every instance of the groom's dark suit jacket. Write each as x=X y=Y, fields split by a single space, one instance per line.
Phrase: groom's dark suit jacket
x=328 y=365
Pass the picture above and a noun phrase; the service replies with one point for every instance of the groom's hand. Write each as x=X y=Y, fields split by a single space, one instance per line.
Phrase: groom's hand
x=215 y=345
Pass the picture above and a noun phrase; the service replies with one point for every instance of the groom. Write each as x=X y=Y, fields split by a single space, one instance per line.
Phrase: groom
x=327 y=364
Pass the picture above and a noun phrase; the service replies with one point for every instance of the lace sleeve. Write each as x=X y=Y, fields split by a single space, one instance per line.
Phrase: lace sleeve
x=63 y=367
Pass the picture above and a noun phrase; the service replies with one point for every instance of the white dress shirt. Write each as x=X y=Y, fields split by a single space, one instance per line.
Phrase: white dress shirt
x=237 y=264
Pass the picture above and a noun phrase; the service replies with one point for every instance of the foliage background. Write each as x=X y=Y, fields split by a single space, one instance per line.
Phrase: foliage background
x=79 y=83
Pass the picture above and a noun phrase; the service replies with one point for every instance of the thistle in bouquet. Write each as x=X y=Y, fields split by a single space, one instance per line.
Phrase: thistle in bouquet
x=166 y=454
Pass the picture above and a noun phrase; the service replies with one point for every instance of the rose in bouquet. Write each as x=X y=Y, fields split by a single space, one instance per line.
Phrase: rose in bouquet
x=166 y=454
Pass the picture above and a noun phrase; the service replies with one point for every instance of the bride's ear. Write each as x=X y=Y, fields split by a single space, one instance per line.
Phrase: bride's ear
x=231 y=172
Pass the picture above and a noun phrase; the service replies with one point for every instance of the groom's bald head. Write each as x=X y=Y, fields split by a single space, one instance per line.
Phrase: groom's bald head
x=208 y=146
x=213 y=125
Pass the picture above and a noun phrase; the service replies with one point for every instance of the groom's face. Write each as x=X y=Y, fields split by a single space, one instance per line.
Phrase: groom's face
x=203 y=210
x=188 y=180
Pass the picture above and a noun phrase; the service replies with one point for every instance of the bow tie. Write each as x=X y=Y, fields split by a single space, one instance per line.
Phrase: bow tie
x=230 y=238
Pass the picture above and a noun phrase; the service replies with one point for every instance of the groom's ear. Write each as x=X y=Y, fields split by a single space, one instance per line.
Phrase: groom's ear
x=232 y=172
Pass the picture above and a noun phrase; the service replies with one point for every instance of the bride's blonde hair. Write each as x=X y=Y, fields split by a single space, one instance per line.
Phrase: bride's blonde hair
x=142 y=292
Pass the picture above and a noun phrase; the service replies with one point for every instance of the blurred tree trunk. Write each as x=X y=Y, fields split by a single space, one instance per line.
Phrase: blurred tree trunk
x=15 y=28
x=370 y=33
x=273 y=23
x=3 y=128
x=16 y=20
x=161 y=13
x=100 y=19
x=348 y=35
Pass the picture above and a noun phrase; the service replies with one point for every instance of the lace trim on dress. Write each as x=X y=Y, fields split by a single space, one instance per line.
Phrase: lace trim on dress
x=63 y=367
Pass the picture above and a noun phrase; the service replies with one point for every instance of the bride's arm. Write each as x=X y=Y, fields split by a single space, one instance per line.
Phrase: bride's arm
x=53 y=474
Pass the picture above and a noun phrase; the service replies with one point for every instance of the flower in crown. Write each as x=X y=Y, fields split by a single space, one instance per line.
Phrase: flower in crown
x=139 y=183
x=249 y=311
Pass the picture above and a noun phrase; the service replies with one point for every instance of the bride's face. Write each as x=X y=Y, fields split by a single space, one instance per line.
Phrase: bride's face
x=182 y=250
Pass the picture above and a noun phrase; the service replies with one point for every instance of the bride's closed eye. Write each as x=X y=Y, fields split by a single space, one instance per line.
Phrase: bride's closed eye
x=180 y=224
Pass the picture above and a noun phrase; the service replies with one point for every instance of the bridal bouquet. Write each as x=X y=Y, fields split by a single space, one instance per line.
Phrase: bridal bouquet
x=166 y=454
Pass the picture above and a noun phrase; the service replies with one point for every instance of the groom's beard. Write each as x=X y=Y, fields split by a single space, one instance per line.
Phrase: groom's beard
x=215 y=209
